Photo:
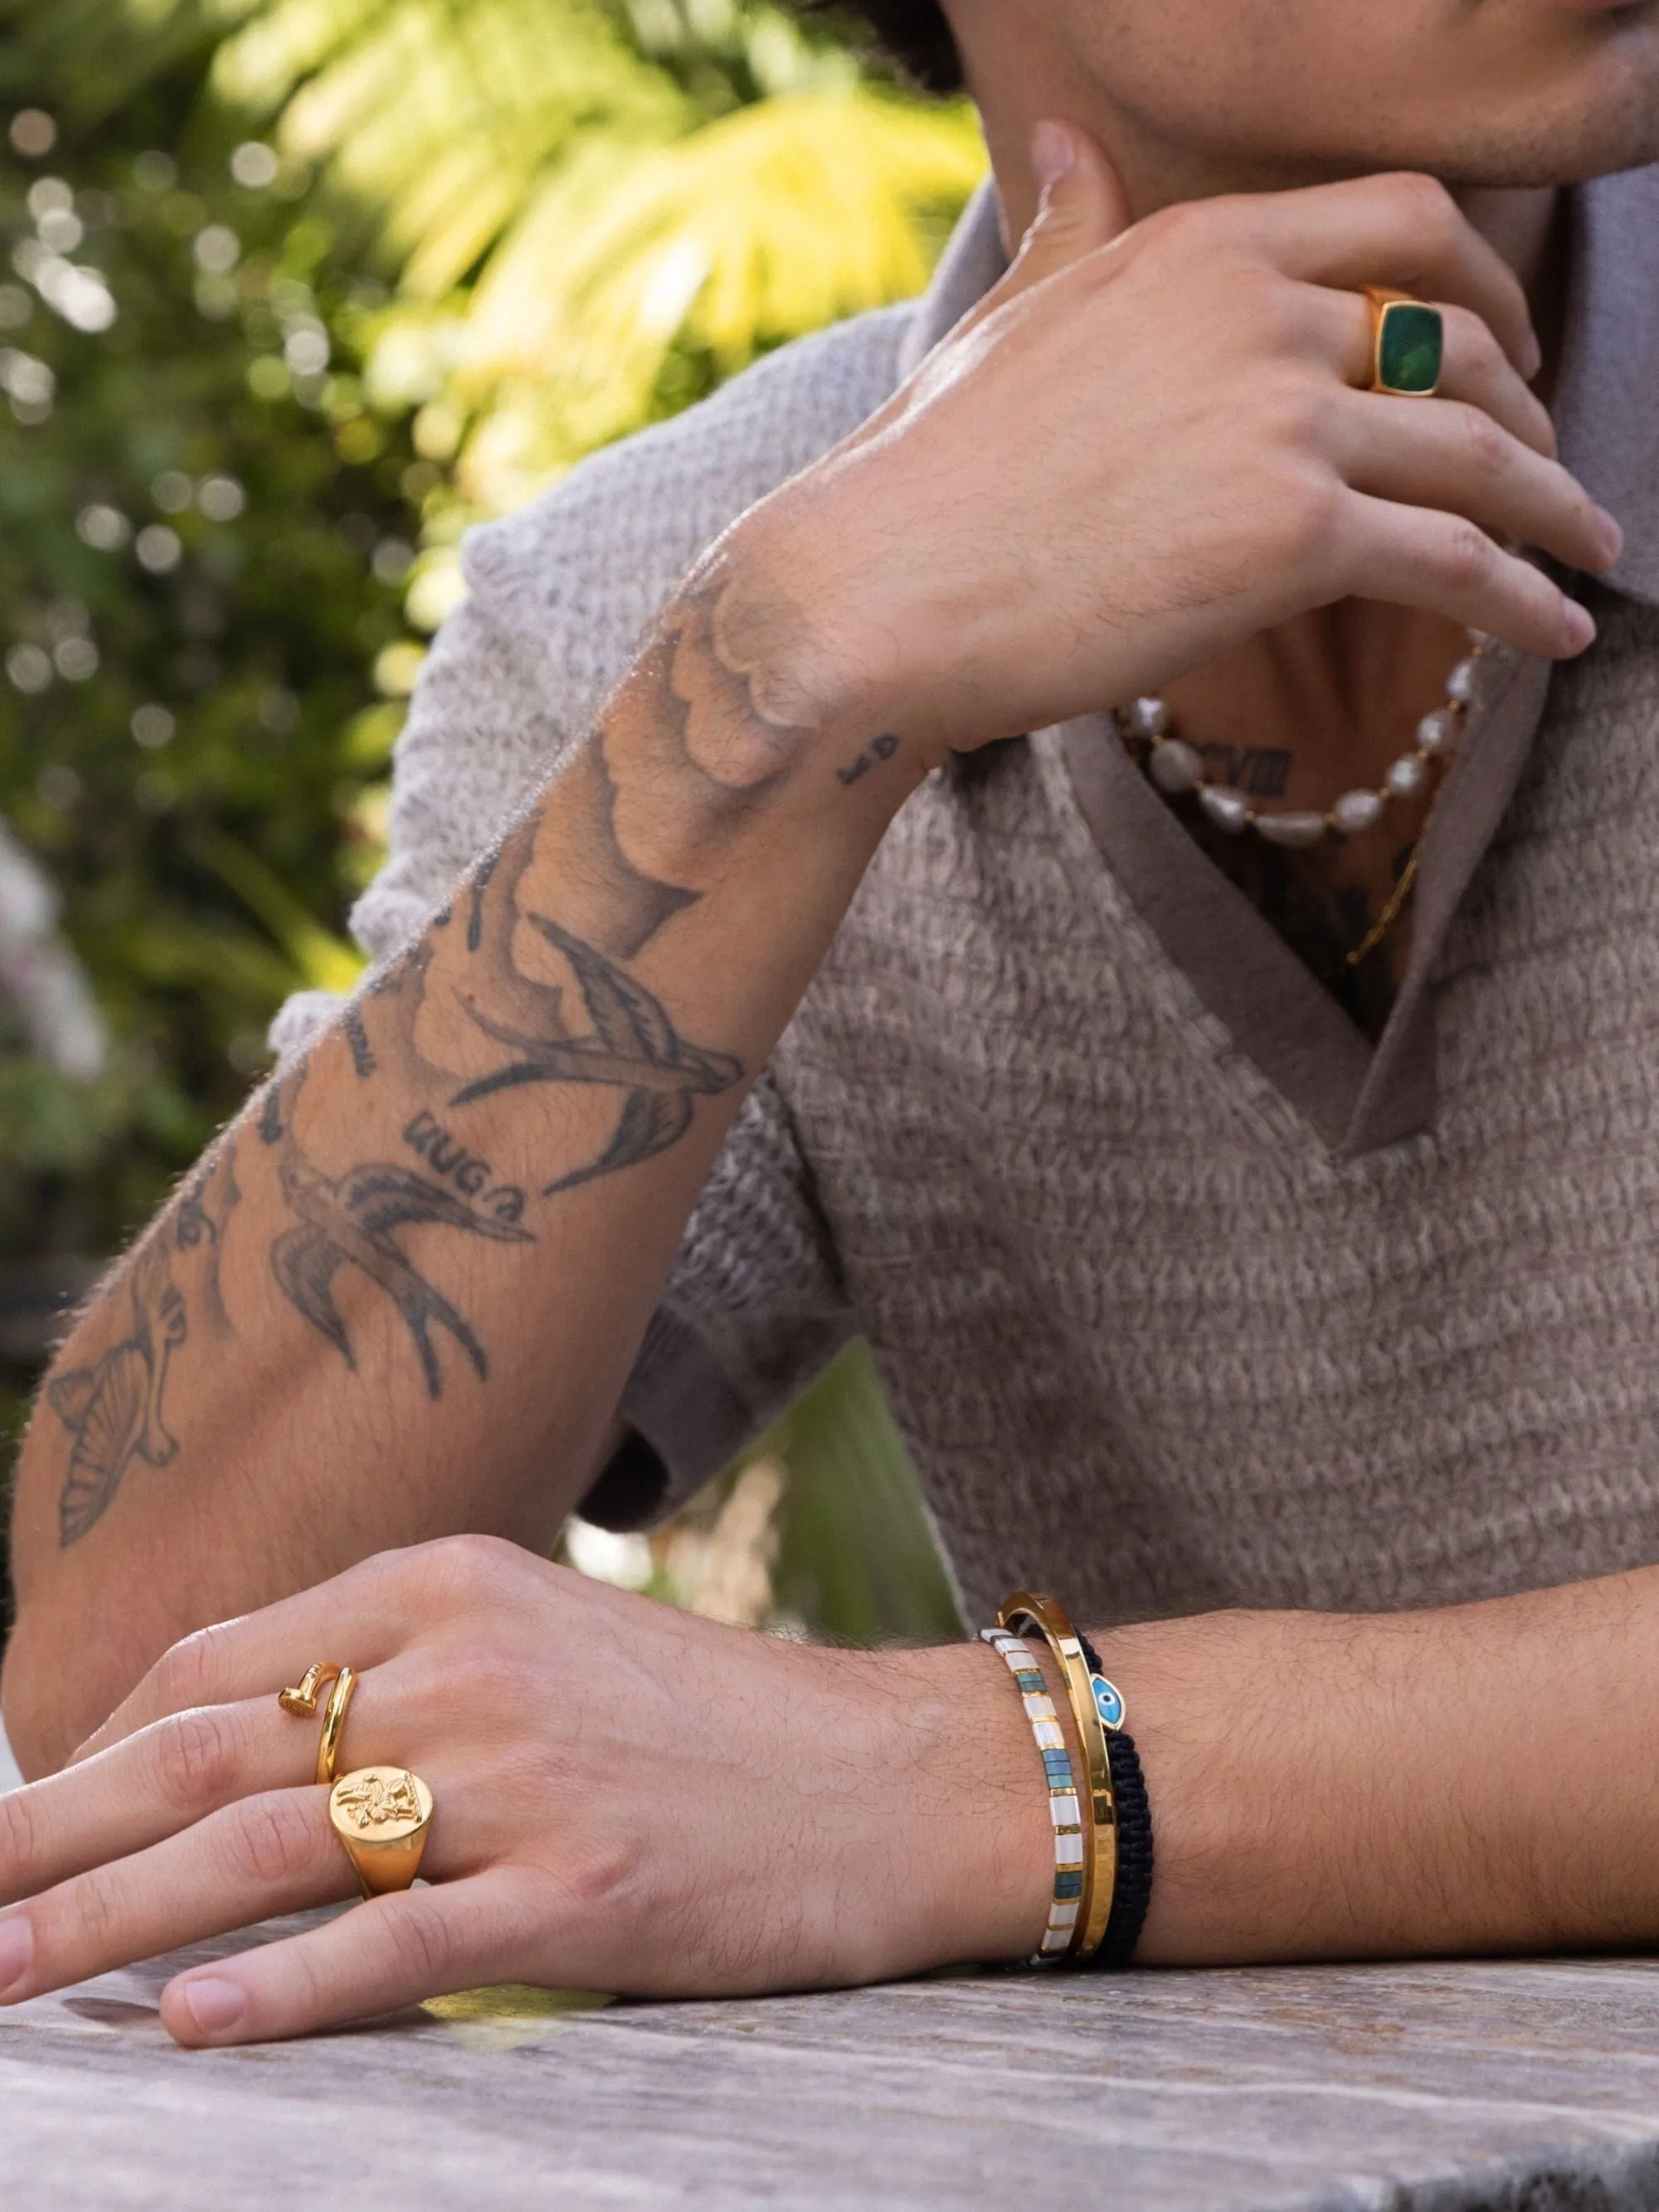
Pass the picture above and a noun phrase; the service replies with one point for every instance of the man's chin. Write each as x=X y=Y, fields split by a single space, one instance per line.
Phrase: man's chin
x=1604 y=118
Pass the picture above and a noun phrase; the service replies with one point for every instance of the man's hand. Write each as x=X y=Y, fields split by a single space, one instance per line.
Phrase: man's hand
x=1151 y=441
x=627 y=1799
x=631 y=1800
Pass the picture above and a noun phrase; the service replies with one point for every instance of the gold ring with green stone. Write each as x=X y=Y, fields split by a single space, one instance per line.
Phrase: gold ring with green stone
x=1408 y=344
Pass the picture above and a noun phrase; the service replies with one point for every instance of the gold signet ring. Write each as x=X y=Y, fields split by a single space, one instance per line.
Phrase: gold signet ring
x=381 y=1815
x=302 y=1701
x=1408 y=344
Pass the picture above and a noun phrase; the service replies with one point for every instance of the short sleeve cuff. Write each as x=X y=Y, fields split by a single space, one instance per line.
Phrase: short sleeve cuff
x=691 y=1421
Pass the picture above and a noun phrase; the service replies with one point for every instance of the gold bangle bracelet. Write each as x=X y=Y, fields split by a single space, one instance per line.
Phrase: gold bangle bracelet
x=1026 y=1609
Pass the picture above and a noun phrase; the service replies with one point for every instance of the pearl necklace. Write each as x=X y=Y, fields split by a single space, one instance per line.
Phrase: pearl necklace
x=1177 y=768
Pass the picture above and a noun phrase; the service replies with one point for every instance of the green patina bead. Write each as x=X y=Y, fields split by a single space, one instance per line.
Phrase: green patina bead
x=1411 y=347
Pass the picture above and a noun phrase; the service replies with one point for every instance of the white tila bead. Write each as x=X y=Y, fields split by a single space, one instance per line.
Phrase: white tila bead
x=1294 y=829
x=1227 y=808
x=1175 y=766
x=1355 y=811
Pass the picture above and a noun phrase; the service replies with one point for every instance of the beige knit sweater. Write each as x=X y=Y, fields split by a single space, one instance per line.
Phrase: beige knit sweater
x=1155 y=1339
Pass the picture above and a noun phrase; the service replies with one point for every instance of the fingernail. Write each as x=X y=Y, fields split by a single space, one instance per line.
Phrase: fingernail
x=1533 y=357
x=1580 y=627
x=16 y=1950
x=1053 y=152
x=1613 y=537
x=214 y=2005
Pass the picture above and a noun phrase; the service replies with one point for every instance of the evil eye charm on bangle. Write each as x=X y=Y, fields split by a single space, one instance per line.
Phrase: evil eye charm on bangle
x=1108 y=1701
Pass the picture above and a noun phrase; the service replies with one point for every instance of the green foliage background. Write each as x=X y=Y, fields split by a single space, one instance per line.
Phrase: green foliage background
x=464 y=241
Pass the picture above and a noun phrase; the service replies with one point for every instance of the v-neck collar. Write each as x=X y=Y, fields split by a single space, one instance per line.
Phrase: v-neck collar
x=1358 y=1097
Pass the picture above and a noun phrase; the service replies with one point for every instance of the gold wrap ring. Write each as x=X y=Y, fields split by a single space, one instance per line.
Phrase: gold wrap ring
x=381 y=1815
x=302 y=1701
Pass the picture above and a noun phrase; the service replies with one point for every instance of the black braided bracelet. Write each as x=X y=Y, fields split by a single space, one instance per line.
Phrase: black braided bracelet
x=1134 y=1889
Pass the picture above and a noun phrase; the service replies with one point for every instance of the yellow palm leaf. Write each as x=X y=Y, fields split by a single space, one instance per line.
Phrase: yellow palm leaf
x=769 y=223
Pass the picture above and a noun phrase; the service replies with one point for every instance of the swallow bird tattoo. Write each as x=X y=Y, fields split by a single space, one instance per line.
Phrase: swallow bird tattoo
x=113 y=1408
x=351 y=1220
x=633 y=1046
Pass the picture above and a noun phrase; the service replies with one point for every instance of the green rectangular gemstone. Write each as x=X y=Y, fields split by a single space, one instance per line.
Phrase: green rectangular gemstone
x=1410 y=347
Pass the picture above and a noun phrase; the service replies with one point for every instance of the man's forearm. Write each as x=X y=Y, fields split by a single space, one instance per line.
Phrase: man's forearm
x=400 y=1296
x=1478 y=1778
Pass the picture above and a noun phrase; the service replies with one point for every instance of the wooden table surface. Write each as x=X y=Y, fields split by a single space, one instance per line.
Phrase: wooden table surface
x=1489 y=2087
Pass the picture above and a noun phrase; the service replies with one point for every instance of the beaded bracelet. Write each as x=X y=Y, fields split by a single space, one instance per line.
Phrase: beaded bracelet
x=1096 y=1707
x=1065 y=1808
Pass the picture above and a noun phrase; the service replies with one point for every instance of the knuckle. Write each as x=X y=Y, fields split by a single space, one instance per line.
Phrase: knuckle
x=1474 y=340
x=1424 y=205
x=196 y=1756
x=468 y=1569
x=600 y=1880
x=1306 y=518
x=1467 y=553
x=422 y=1942
x=1264 y=302
x=306 y=1992
x=1485 y=445
x=269 y=1840
x=18 y=1838
x=1295 y=410
x=97 y=1911
x=1186 y=224
x=383 y=1578
x=182 y=1673
x=499 y=1682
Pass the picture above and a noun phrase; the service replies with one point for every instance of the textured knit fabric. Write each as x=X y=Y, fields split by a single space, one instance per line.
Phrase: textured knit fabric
x=1151 y=1339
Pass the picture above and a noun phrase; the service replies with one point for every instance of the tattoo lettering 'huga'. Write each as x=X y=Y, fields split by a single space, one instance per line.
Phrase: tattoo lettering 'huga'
x=114 y=1409
x=350 y=1220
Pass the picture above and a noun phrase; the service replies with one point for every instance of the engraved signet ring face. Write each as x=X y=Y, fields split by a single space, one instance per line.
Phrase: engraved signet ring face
x=381 y=1815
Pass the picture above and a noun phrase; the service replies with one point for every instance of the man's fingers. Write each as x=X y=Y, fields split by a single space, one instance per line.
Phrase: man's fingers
x=178 y=1770
x=264 y=1855
x=1082 y=207
x=1405 y=232
x=1475 y=367
x=366 y=1613
x=1445 y=454
x=389 y=1953
x=1414 y=557
x=152 y=1783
